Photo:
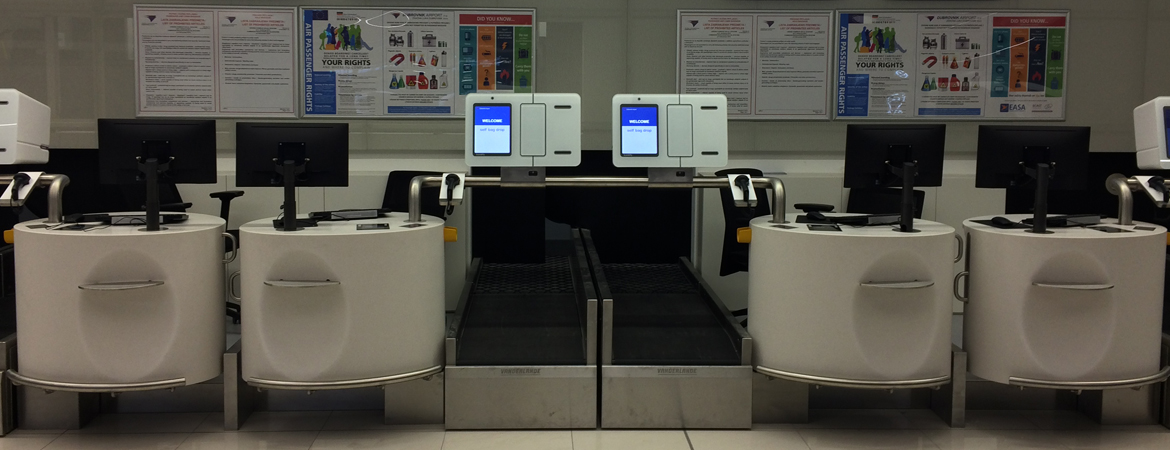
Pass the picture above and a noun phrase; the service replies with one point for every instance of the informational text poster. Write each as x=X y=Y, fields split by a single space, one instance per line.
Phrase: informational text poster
x=951 y=64
x=216 y=61
x=769 y=64
x=412 y=62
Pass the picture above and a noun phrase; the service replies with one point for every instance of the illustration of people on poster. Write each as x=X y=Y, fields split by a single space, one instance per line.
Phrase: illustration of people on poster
x=1028 y=66
x=875 y=64
x=407 y=62
x=951 y=64
x=343 y=69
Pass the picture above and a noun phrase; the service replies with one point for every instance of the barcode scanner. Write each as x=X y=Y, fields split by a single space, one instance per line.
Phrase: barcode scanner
x=19 y=181
x=451 y=182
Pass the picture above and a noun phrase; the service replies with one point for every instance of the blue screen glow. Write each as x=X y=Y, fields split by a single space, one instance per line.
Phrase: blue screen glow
x=492 y=130
x=639 y=130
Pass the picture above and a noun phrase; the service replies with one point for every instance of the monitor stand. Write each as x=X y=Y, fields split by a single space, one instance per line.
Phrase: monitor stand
x=907 y=172
x=289 y=169
x=152 y=169
x=1042 y=174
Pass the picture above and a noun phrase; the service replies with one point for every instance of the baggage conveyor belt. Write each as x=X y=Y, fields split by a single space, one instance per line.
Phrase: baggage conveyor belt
x=661 y=317
x=522 y=349
x=523 y=314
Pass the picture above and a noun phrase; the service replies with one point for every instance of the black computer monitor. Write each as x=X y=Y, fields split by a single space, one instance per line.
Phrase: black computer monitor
x=156 y=150
x=1013 y=156
x=291 y=155
x=895 y=155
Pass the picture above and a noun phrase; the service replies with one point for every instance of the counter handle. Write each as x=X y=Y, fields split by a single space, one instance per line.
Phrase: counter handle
x=961 y=275
x=235 y=248
x=119 y=285
x=959 y=257
x=899 y=284
x=232 y=285
x=1074 y=286
x=299 y=284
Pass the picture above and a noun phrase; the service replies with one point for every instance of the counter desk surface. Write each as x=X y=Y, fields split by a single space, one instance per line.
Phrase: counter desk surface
x=864 y=306
x=332 y=306
x=1074 y=305
x=120 y=306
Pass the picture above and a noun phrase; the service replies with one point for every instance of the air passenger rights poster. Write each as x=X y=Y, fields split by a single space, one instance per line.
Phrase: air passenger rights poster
x=412 y=62
x=951 y=64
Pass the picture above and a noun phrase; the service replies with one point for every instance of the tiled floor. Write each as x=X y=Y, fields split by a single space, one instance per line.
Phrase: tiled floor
x=828 y=429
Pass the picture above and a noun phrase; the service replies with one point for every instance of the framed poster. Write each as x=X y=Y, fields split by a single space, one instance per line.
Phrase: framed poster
x=770 y=64
x=412 y=62
x=951 y=64
x=215 y=61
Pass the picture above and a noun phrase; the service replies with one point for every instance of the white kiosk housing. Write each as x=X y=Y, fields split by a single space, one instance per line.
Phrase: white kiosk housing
x=522 y=130
x=24 y=129
x=669 y=130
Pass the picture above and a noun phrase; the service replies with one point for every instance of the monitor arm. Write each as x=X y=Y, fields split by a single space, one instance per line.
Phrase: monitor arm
x=289 y=169
x=152 y=168
x=906 y=172
x=1043 y=173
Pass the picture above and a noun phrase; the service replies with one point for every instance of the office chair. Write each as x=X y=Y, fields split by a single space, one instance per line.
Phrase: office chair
x=882 y=201
x=397 y=196
x=225 y=209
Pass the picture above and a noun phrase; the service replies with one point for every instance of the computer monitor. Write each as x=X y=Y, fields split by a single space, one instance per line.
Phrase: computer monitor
x=879 y=156
x=156 y=150
x=291 y=155
x=1054 y=157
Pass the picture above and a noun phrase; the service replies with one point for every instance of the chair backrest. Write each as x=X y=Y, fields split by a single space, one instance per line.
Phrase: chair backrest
x=735 y=255
x=882 y=201
x=397 y=196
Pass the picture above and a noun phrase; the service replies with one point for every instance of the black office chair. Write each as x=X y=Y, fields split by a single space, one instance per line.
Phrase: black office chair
x=225 y=208
x=735 y=254
x=397 y=196
x=882 y=201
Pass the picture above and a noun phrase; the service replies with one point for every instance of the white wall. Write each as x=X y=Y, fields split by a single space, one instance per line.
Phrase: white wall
x=75 y=56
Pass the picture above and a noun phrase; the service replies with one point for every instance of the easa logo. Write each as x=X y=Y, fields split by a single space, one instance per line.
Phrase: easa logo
x=1007 y=107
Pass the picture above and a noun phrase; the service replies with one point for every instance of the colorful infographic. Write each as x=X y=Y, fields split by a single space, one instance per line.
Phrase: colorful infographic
x=952 y=64
x=415 y=62
x=1028 y=65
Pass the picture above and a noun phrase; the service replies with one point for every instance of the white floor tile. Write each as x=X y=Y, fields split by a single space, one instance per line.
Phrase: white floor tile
x=869 y=439
x=994 y=439
x=280 y=440
x=746 y=440
x=508 y=440
x=631 y=439
x=275 y=421
x=18 y=440
x=143 y=423
x=155 y=441
x=379 y=439
x=1115 y=439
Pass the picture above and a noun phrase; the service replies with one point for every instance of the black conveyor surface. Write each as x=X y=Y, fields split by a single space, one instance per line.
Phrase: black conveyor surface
x=523 y=314
x=661 y=318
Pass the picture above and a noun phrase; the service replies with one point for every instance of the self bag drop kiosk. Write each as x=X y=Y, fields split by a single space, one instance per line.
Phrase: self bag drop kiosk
x=671 y=354
x=521 y=351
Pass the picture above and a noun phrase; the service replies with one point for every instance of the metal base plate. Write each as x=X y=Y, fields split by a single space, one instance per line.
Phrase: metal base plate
x=520 y=397
x=676 y=397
